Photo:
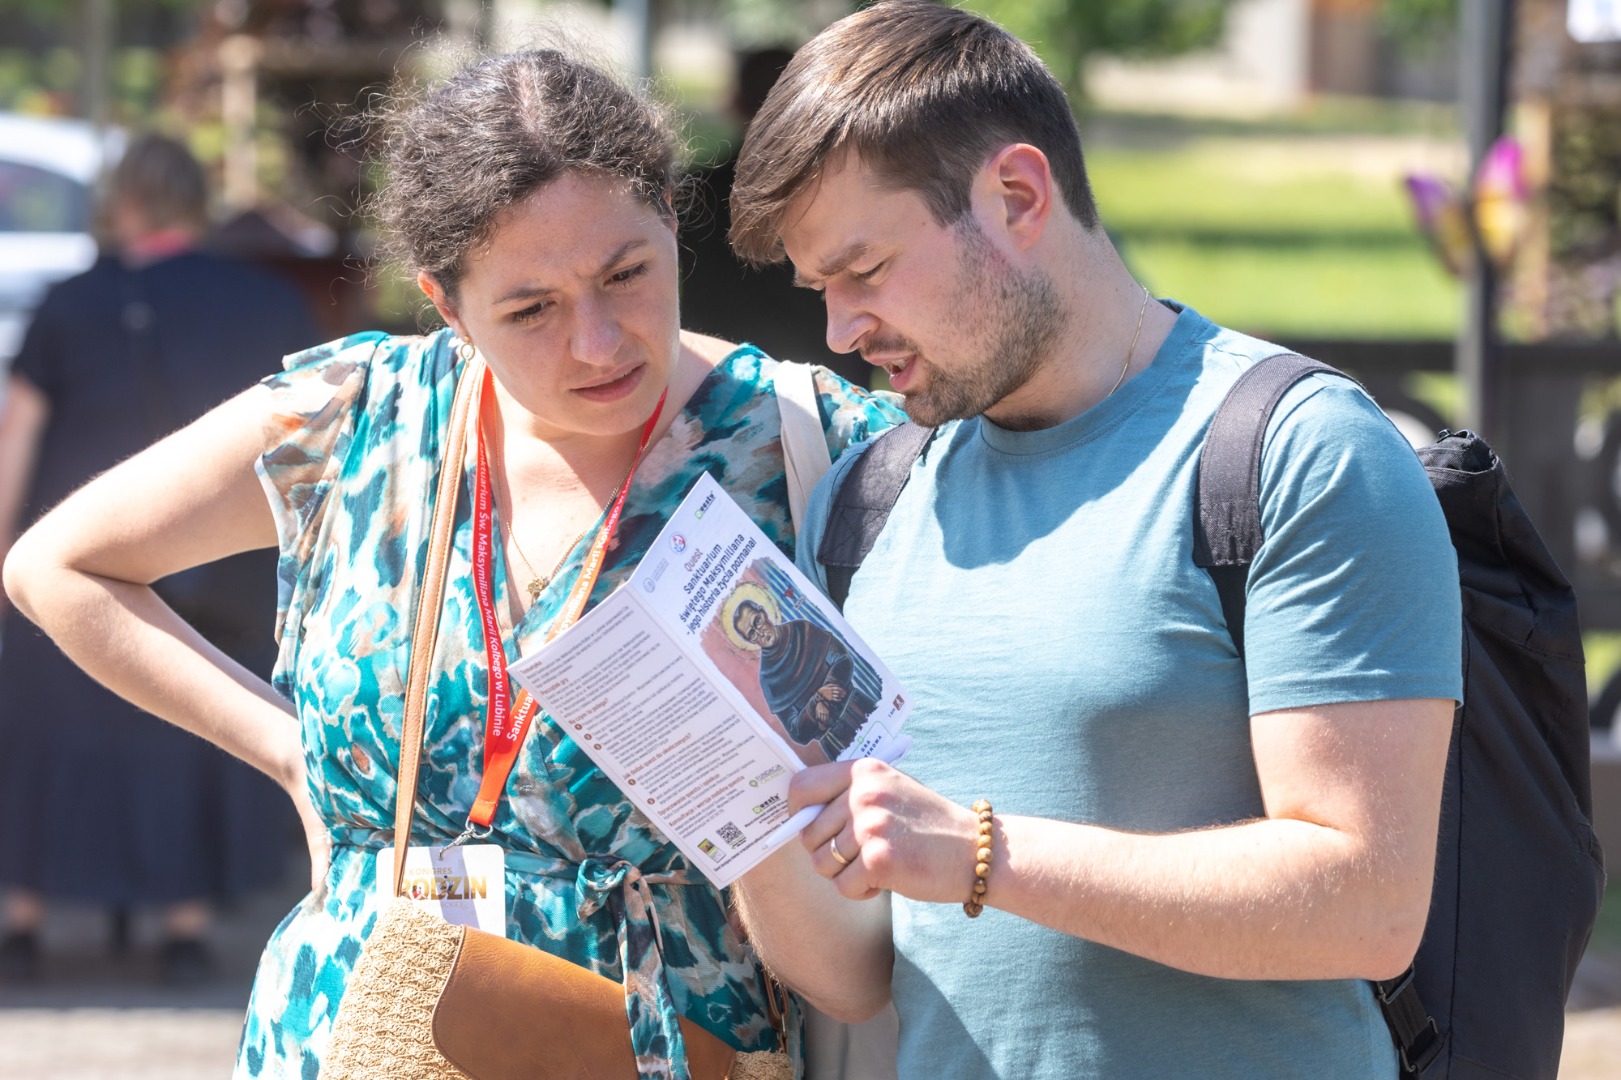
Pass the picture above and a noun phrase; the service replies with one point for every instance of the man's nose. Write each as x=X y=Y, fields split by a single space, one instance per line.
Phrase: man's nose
x=847 y=320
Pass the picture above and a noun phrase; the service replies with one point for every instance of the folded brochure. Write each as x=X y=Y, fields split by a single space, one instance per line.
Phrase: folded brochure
x=710 y=677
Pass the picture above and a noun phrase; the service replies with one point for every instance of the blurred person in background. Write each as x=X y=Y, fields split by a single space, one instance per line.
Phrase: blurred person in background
x=99 y=801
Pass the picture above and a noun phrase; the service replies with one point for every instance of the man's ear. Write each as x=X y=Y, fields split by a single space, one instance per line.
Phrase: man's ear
x=441 y=301
x=1017 y=183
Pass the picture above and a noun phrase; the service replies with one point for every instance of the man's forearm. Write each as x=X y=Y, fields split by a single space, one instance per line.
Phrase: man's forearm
x=1267 y=899
x=1333 y=882
x=835 y=952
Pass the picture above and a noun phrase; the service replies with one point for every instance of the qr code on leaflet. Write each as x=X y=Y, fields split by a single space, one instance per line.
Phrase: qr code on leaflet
x=731 y=834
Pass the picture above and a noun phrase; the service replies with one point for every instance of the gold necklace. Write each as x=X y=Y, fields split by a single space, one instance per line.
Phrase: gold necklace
x=1147 y=296
x=539 y=582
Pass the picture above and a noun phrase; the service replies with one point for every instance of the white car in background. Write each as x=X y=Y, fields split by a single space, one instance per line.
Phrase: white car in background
x=48 y=171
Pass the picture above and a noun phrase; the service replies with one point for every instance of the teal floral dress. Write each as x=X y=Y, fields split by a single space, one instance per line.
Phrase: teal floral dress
x=353 y=458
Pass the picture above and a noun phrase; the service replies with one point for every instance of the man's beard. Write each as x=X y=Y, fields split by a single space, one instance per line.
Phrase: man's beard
x=1007 y=322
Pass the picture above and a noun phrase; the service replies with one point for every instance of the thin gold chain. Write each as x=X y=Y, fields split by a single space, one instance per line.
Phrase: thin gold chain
x=538 y=582
x=1130 y=352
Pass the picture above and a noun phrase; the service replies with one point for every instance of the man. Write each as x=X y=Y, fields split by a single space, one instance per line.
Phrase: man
x=1195 y=859
x=809 y=678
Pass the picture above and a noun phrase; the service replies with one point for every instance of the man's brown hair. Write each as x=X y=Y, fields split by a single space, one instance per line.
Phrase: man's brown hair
x=925 y=94
x=161 y=177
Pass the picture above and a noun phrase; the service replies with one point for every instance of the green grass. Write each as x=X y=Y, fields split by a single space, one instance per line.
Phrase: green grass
x=1288 y=236
x=1603 y=649
x=1310 y=290
x=1327 y=114
x=1285 y=189
x=1607 y=931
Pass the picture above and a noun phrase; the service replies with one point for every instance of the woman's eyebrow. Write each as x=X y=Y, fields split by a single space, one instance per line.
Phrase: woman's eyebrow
x=530 y=292
x=620 y=252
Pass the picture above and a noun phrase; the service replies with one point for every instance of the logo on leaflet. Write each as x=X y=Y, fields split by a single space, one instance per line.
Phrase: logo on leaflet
x=678 y=542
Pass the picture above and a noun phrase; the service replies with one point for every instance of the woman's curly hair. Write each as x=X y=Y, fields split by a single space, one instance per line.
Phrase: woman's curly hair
x=495 y=133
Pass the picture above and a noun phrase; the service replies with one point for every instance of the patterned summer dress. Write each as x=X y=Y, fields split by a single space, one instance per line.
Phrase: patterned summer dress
x=349 y=477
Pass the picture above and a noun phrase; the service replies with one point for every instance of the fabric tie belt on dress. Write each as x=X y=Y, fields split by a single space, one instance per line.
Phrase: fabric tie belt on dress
x=626 y=891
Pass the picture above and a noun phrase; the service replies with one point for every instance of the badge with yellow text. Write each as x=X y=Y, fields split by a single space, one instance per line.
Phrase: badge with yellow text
x=465 y=885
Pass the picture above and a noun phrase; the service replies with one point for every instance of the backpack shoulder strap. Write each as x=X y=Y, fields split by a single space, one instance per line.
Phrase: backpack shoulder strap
x=862 y=502
x=1227 y=512
x=1226 y=538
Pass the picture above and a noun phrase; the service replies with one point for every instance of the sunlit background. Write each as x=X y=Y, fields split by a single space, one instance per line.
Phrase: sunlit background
x=1412 y=189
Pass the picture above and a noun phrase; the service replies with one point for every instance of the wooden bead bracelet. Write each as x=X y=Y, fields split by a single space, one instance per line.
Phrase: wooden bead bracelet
x=982 y=861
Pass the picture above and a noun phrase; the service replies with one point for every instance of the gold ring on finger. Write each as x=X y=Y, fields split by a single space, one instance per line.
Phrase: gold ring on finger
x=838 y=856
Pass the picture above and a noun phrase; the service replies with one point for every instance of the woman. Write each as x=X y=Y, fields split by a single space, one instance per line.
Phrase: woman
x=533 y=195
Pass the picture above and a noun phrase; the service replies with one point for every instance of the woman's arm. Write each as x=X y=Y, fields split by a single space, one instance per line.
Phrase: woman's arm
x=84 y=574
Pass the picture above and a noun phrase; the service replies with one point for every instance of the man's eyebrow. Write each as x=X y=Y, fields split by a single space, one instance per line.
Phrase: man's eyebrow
x=839 y=260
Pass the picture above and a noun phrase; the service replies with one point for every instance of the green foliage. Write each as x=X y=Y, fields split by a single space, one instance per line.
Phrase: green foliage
x=1414 y=24
x=1065 y=33
x=46 y=13
x=48 y=82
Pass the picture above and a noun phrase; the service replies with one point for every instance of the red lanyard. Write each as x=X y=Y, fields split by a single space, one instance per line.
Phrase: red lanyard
x=509 y=718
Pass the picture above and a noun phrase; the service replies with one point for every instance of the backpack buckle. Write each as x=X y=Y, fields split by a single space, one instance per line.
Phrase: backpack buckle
x=1425 y=1049
x=1418 y=1043
x=1388 y=992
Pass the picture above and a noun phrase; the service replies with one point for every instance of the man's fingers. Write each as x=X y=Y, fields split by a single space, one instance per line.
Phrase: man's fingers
x=818 y=784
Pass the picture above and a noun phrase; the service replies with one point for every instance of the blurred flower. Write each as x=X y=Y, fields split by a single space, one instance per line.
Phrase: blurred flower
x=1500 y=199
x=1439 y=212
x=1500 y=196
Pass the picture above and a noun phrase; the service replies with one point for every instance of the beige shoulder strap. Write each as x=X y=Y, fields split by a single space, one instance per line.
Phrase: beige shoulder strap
x=425 y=628
x=804 y=445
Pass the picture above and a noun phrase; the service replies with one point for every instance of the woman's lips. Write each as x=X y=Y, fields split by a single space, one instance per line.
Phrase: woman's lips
x=613 y=389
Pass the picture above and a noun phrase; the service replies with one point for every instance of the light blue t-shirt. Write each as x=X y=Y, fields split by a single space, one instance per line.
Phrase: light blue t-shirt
x=1035 y=592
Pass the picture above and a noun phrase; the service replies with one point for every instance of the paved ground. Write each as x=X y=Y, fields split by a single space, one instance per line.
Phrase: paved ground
x=97 y=1018
x=1593 y=1021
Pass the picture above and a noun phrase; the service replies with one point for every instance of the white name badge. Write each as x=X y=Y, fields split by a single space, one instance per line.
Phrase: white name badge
x=465 y=885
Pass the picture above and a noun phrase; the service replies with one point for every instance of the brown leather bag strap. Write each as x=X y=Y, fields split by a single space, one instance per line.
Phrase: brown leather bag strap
x=425 y=629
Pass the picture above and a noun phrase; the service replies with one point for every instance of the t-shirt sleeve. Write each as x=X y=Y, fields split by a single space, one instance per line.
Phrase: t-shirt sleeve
x=1354 y=594
x=310 y=425
x=38 y=359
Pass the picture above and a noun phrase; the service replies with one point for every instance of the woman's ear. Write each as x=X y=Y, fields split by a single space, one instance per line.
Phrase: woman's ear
x=671 y=218
x=441 y=301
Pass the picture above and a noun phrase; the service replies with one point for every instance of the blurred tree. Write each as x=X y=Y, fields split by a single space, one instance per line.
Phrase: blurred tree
x=47 y=13
x=1065 y=33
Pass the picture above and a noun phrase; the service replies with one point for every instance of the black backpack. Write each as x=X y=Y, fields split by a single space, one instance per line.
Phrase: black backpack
x=1519 y=874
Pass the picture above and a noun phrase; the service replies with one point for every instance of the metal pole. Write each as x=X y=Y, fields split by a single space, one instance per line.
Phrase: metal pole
x=1485 y=37
x=471 y=22
x=239 y=101
x=637 y=15
x=98 y=39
